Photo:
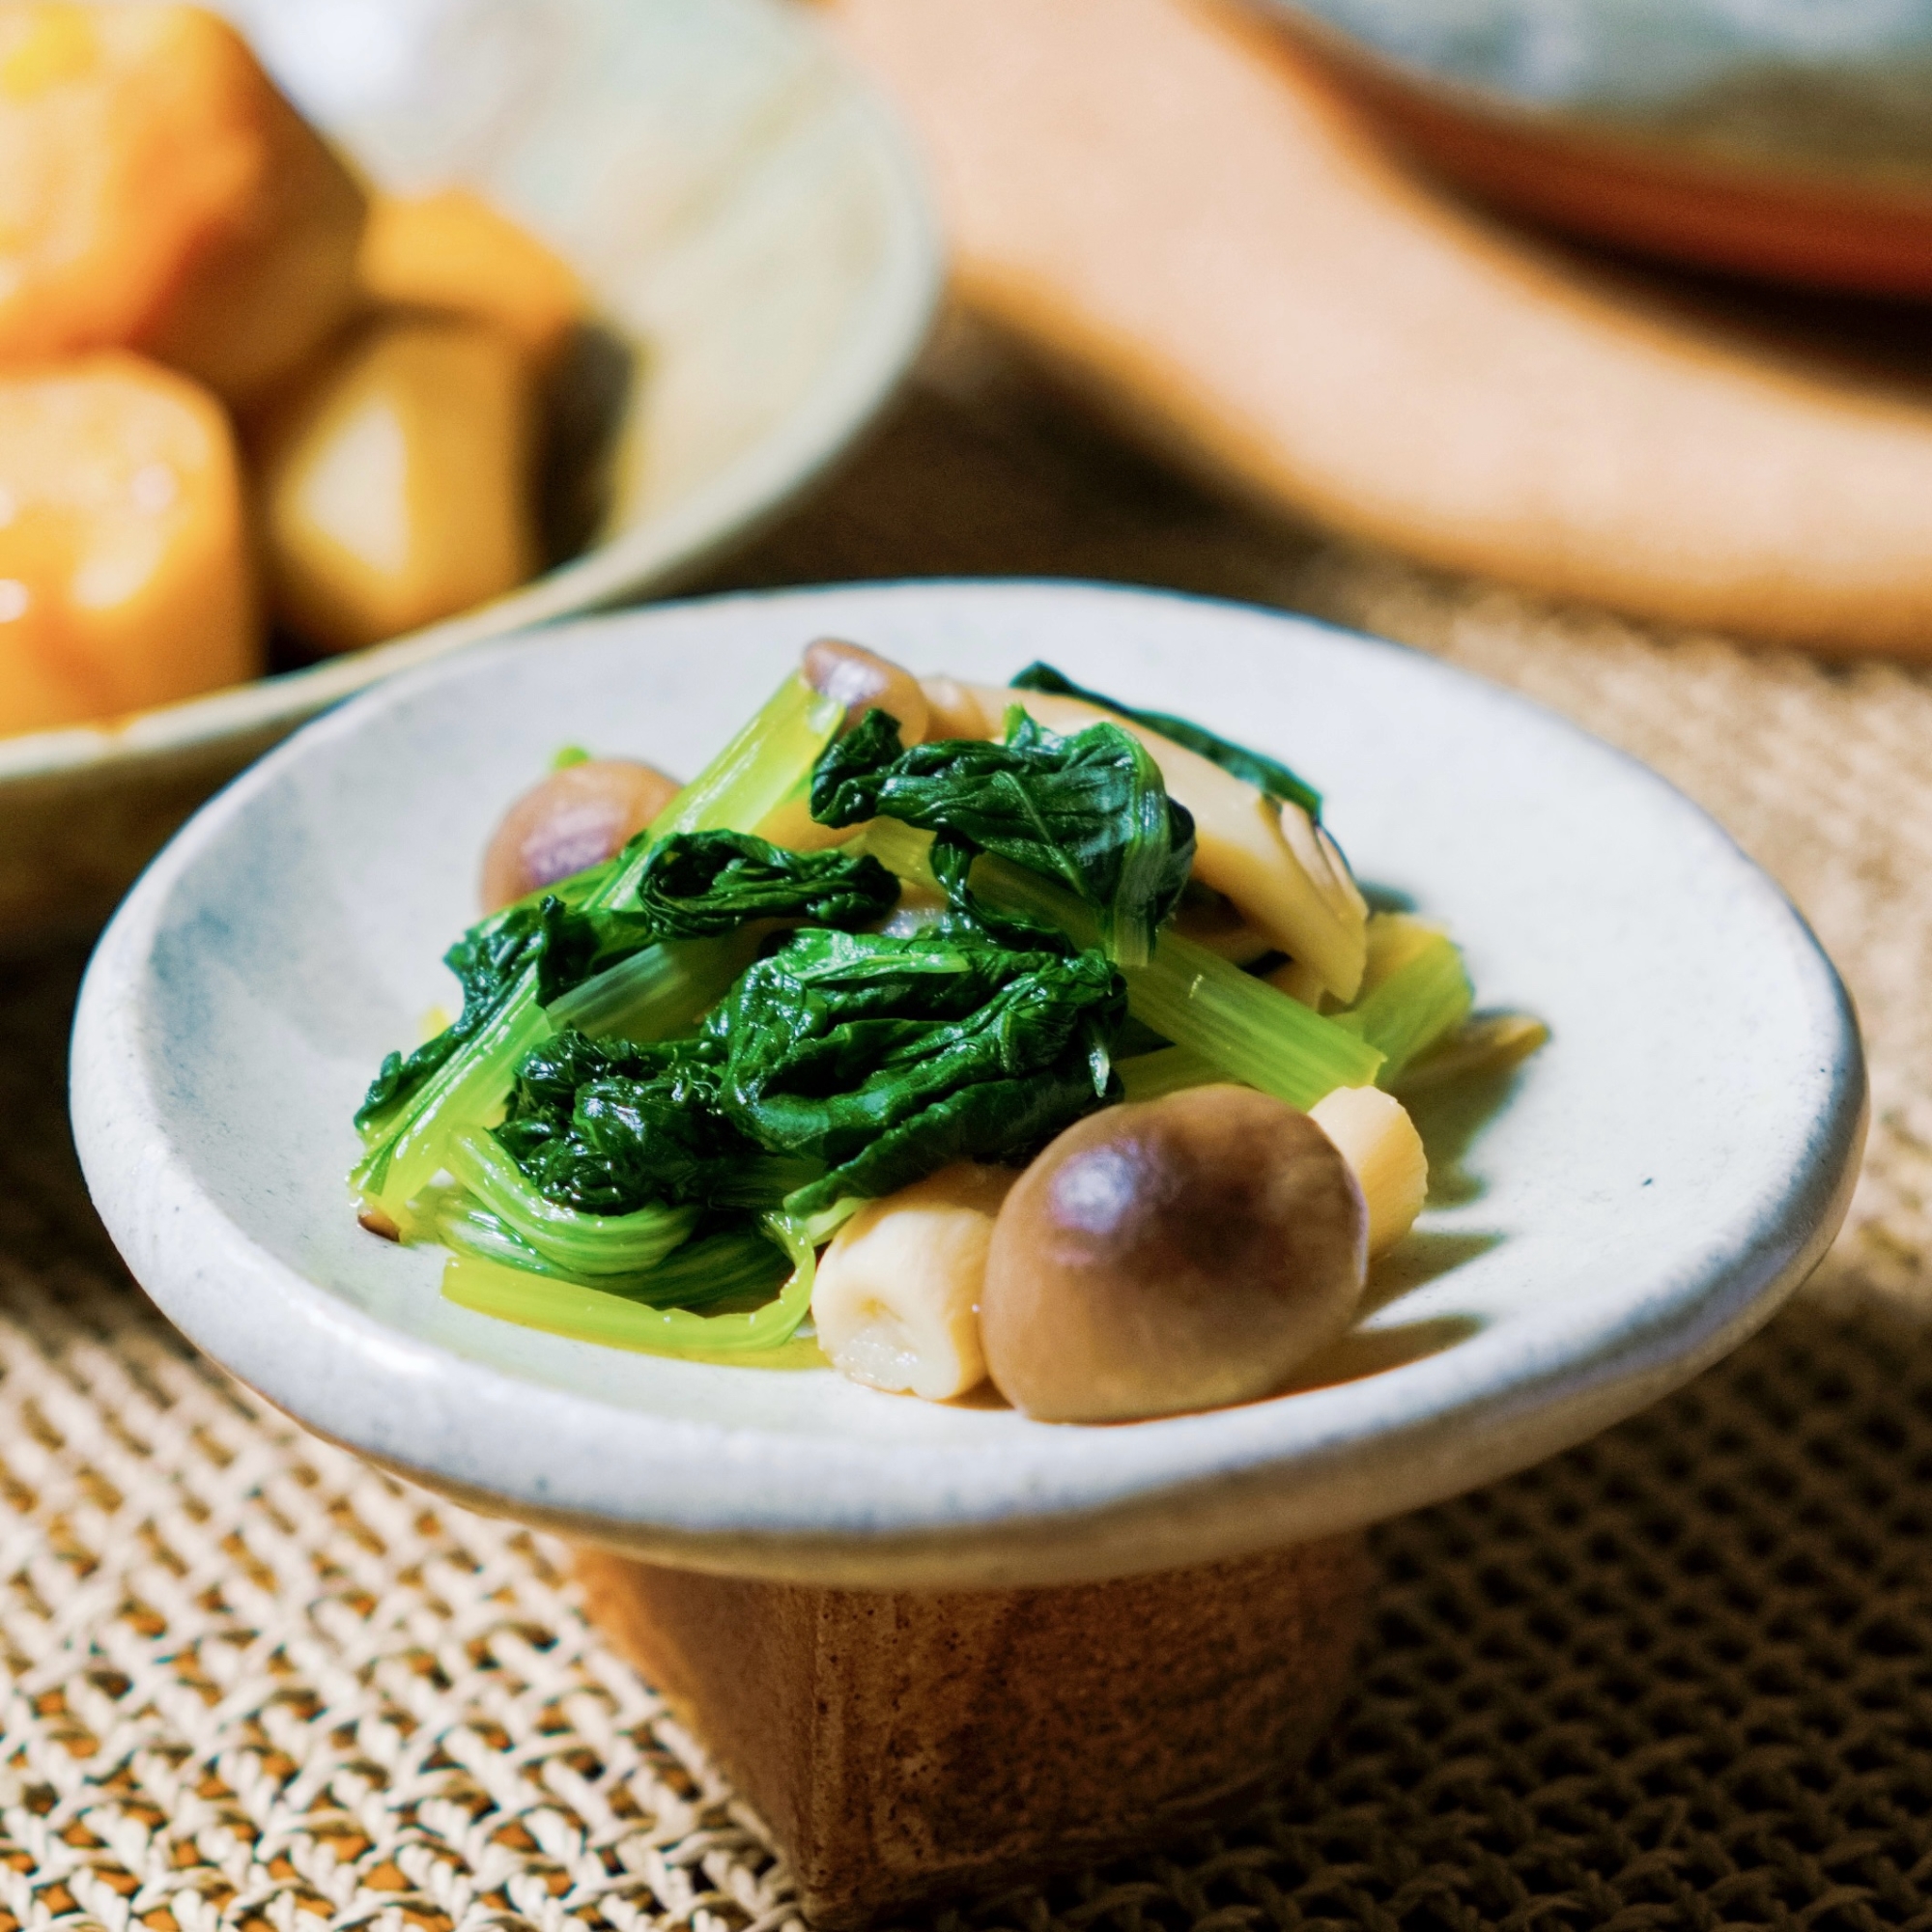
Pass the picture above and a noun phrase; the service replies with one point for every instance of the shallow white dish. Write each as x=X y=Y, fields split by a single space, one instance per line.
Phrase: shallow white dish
x=1669 y=1169
x=748 y=217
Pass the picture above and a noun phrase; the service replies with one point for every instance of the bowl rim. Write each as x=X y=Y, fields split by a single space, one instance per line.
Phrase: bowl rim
x=733 y=506
x=1235 y=1481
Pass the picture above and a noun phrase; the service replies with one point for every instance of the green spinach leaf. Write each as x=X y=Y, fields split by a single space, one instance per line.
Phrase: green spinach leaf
x=699 y=884
x=887 y=1058
x=608 y=1127
x=1089 y=812
x=1265 y=773
x=840 y=1065
x=489 y=961
x=694 y=885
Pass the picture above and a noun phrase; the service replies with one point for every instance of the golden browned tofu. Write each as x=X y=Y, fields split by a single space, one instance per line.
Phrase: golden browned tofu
x=157 y=194
x=395 y=484
x=124 y=569
x=453 y=251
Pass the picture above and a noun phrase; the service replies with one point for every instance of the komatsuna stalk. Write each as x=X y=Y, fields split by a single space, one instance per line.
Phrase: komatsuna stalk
x=1249 y=1030
x=761 y=766
x=616 y=1321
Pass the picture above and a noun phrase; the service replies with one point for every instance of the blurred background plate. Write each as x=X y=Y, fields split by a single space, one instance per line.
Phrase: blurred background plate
x=752 y=224
x=1782 y=139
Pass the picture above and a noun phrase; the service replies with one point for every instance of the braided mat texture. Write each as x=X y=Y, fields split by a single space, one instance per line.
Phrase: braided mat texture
x=1679 y=1677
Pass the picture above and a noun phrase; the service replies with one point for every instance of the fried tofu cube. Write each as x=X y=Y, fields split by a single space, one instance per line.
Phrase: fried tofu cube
x=396 y=484
x=124 y=566
x=158 y=193
x=452 y=251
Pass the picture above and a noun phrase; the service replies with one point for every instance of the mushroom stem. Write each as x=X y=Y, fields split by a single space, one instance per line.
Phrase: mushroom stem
x=896 y=1302
x=1372 y=1133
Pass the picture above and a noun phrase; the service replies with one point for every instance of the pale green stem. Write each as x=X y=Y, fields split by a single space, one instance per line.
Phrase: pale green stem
x=755 y=772
x=593 y=1314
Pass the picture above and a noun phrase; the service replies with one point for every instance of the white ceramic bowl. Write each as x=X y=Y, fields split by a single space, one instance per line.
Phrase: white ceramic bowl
x=745 y=213
x=1669 y=1169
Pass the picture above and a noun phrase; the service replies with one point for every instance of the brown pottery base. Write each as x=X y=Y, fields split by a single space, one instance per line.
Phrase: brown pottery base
x=906 y=1747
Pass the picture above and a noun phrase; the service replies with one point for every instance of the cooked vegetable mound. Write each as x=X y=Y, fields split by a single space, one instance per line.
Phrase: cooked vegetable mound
x=841 y=968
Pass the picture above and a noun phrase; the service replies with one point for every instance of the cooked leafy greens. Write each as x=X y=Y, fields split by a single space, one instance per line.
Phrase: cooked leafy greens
x=766 y=761
x=607 y=1127
x=691 y=885
x=1242 y=1027
x=1404 y=1011
x=675 y=1072
x=548 y=944
x=709 y=1268
x=1266 y=773
x=595 y=1246
x=1089 y=811
x=660 y=993
x=700 y=884
x=888 y=1058
x=633 y=1317
x=843 y=1064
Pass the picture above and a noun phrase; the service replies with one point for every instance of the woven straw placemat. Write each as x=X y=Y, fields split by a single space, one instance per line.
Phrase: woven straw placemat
x=1682 y=1676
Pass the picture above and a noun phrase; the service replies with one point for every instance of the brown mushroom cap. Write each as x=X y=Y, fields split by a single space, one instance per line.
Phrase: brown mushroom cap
x=863 y=681
x=574 y=818
x=1181 y=1254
